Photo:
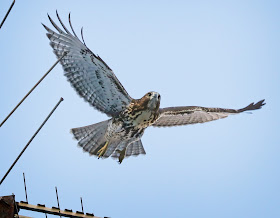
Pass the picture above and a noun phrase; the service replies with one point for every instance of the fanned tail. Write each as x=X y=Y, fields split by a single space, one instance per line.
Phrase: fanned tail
x=91 y=137
x=125 y=149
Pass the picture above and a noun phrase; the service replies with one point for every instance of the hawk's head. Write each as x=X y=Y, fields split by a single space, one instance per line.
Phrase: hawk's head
x=152 y=100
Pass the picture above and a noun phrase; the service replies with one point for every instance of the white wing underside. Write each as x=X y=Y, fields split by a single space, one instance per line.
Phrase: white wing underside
x=88 y=74
x=176 y=116
x=184 y=119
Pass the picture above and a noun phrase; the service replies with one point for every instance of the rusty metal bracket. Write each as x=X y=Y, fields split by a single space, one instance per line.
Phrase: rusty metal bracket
x=7 y=206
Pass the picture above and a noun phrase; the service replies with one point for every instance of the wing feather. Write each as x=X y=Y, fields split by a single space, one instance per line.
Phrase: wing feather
x=176 y=116
x=89 y=75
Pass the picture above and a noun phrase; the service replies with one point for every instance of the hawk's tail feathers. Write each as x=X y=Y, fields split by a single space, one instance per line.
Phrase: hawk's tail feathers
x=133 y=149
x=91 y=137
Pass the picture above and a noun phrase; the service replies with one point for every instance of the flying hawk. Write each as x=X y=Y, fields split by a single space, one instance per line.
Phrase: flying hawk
x=93 y=79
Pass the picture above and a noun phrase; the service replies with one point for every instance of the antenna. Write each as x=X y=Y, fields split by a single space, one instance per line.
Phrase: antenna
x=57 y=200
x=82 y=205
x=11 y=167
x=32 y=89
x=54 y=211
x=8 y=205
x=12 y=5
x=25 y=188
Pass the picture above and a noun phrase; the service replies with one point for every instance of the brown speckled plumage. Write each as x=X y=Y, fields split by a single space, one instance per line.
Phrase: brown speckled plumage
x=94 y=80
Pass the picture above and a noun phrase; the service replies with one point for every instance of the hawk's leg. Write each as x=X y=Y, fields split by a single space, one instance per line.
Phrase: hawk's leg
x=102 y=150
x=122 y=155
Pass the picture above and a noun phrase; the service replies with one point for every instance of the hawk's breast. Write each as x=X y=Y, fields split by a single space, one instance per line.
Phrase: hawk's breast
x=143 y=119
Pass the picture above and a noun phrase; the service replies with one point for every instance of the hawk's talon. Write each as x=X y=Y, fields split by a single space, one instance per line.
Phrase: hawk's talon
x=102 y=150
x=122 y=155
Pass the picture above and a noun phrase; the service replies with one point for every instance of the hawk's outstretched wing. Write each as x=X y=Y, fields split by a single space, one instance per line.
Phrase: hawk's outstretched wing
x=175 y=116
x=88 y=74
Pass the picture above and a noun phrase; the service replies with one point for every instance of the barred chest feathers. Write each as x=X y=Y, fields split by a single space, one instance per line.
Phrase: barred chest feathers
x=143 y=112
x=137 y=116
x=141 y=119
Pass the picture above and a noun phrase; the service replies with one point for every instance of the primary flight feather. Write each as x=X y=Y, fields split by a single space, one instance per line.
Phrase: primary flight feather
x=93 y=79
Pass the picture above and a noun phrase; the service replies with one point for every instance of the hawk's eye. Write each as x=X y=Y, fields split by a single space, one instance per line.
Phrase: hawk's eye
x=158 y=96
x=149 y=94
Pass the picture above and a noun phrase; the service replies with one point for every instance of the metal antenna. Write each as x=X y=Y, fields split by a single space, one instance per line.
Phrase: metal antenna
x=25 y=188
x=54 y=211
x=7 y=13
x=57 y=200
x=32 y=89
x=11 y=167
x=82 y=205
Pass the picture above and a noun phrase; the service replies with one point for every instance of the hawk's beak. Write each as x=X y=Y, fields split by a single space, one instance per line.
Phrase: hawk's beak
x=154 y=100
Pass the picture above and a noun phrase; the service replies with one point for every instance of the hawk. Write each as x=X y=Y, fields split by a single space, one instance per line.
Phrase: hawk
x=93 y=80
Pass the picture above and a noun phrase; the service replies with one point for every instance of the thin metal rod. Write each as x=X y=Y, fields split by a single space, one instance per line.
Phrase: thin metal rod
x=12 y=5
x=25 y=188
x=11 y=167
x=32 y=89
x=82 y=205
x=57 y=200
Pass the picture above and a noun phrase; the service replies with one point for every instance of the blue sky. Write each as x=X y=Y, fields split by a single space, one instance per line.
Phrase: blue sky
x=205 y=53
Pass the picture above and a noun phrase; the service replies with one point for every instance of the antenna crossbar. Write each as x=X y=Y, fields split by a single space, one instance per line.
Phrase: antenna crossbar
x=54 y=211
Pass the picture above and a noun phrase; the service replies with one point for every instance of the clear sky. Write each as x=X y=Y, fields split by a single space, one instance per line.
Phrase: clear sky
x=205 y=53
